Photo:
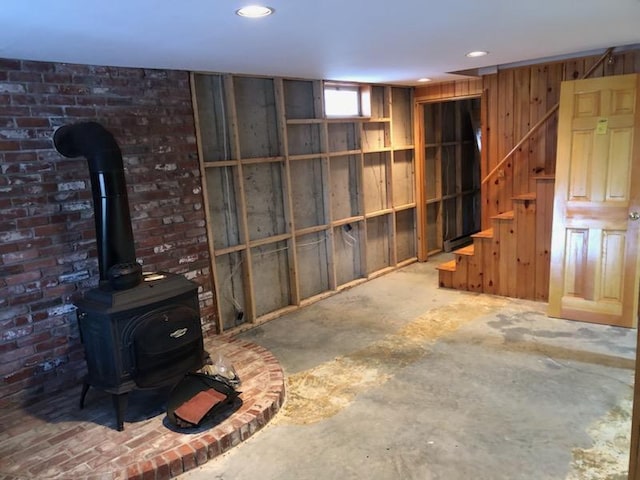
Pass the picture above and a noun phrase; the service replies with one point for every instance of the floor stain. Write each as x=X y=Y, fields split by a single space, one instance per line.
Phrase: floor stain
x=446 y=319
x=323 y=391
x=608 y=459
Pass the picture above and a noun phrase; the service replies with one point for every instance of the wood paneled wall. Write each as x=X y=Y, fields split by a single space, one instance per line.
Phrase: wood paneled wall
x=449 y=90
x=513 y=100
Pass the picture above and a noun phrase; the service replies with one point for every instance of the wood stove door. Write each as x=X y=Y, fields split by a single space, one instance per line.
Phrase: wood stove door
x=165 y=344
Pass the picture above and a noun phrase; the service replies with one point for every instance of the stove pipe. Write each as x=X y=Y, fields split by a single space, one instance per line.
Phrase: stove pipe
x=116 y=252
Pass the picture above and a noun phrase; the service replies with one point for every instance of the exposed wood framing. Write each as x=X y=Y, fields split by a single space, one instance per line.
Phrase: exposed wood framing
x=449 y=166
x=289 y=216
x=300 y=206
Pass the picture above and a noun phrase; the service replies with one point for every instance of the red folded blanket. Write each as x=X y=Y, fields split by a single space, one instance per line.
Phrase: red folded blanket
x=194 y=409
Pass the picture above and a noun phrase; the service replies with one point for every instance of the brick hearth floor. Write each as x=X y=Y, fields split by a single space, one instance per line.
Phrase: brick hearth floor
x=54 y=439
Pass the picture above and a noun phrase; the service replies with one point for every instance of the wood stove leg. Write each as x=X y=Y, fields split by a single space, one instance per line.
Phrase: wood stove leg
x=85 y=389
x=120 y=404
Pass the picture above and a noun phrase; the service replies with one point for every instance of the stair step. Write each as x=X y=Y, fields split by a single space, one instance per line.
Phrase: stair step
x=449 y=266
x=504 y=216
x=513 y=259
x=488 y=233
x=468 y=250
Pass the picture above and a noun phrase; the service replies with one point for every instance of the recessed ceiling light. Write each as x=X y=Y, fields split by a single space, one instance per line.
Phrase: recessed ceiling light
x=424 y=79
x=477 y=53
x=254 y=11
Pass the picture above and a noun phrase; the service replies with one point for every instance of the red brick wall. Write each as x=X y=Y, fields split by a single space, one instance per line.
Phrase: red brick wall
x=47 y=236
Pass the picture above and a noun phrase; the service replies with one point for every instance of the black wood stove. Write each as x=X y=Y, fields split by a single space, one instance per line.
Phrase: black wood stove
x=138 y=330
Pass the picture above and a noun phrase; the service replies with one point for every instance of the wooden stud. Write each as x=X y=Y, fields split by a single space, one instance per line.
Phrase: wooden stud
x=363 y=243
x=291 y=134
x=289 y=217
x=205 y=196
x=458 y=166
x=247 y=269
x=418 y=180
x=438 y=179
x=318 y=103
x=391 y=222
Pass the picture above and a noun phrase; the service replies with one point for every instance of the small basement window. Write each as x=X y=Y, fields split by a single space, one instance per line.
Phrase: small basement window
x=347 y=100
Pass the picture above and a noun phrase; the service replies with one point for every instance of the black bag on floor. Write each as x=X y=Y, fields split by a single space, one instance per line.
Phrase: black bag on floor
x=198 y=398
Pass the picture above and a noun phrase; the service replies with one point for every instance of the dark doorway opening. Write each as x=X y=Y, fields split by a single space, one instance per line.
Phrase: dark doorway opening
x=452 y=144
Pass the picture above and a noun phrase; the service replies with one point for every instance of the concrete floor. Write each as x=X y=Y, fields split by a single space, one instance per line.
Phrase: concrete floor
x=398 y=379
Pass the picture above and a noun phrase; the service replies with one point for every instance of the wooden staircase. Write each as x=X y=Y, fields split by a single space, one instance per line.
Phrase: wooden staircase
x=512 y=257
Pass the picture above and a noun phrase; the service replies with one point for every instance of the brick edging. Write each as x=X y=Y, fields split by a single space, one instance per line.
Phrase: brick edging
x=250 y=418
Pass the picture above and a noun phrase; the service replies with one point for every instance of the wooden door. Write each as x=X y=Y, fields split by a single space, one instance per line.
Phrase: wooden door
x=594 y=246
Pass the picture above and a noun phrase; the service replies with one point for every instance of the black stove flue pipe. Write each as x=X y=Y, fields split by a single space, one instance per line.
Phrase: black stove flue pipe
x=114 y=235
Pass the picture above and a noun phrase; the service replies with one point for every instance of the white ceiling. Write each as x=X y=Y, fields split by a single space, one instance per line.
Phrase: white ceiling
x=377 y=41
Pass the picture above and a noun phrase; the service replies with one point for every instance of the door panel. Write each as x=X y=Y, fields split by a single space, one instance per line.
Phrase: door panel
x=594 y=247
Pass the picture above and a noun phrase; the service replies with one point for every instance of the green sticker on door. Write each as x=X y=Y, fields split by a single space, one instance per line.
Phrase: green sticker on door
x=601 y=127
